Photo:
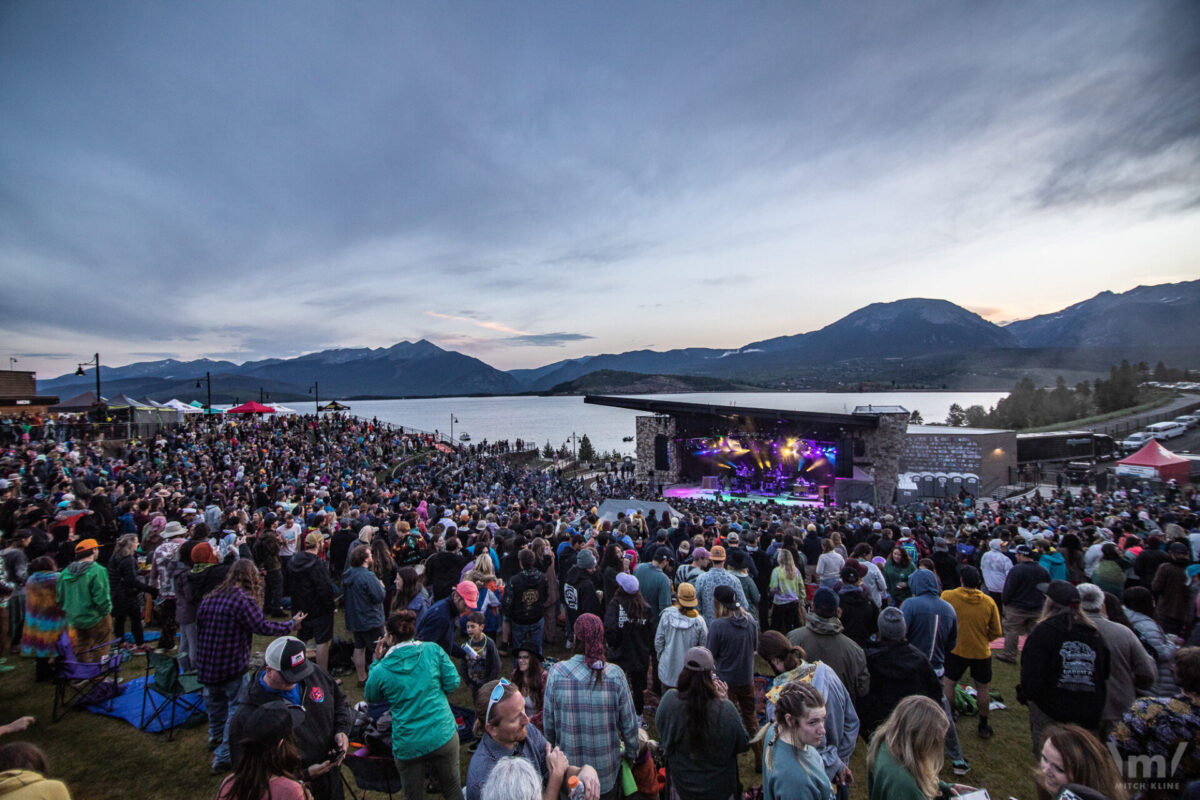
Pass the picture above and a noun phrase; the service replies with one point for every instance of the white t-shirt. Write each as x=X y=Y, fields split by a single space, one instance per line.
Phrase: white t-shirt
x=290 y=537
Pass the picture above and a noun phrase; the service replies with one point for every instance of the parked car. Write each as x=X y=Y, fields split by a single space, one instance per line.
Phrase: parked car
x=1166 y=430
x=1190 y=420
x=1135 y=441
x=1080 y=471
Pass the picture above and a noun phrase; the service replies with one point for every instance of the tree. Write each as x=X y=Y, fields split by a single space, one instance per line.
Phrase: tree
x=957 y=417
x=975 y=417
x=548 y=450
x=915 y=418
x=587 y=453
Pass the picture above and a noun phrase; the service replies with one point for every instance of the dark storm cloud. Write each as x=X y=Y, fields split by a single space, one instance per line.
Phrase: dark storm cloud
x=264 y=179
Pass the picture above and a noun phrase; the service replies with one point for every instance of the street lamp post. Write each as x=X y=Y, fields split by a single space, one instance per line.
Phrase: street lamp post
x=96 y=363
x=208 y=382
x=315 y=391
x=452 y=421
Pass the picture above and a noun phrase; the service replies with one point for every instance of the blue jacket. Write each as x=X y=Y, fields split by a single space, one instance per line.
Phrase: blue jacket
x=437 y=626
x=364 y=594
x=932 y=623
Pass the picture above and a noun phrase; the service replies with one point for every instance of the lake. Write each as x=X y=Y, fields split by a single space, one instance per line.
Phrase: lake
x=554 y=419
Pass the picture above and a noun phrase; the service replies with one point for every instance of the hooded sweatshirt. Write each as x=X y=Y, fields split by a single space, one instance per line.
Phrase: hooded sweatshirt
x=312 y=590
x=823 y=640
x=1054 y=563
x=932 y=623
x=676 y=634
x=414 y=679
x=24 y=784
x=732 y=641
x=83 y=592
x=978 y=622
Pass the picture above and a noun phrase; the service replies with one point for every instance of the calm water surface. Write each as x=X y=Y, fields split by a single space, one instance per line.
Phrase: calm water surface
x=554 y=419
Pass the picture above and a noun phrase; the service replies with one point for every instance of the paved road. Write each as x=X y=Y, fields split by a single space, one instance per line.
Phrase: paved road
x=1123 y=426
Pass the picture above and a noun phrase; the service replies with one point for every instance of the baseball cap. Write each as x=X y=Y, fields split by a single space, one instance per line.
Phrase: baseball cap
x=725 y=596
x=628 y=583
x=717 y=553
x=469 y=592
x=699 y=552
x=87 y=544
x=699 y=659
x=288 y=656
x=687 y=595
x=662 y=554
x=1063 y=593
x=313 y=539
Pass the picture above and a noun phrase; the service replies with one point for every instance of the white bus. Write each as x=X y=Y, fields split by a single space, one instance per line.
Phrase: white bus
x=1166 y=430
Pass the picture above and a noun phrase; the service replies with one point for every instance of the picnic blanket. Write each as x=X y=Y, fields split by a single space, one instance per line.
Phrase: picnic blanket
x=128 y=706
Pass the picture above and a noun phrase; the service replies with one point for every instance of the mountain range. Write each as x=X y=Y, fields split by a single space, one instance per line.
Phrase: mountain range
x=914 y=342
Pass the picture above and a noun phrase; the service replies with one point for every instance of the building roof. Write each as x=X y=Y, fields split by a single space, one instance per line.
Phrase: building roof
x=673 y=408
x=947 y=429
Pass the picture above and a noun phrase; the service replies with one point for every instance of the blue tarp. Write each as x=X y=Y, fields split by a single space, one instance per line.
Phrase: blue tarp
x=128 y=706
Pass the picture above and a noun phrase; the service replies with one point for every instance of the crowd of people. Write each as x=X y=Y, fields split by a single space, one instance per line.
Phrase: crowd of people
x=444 y=568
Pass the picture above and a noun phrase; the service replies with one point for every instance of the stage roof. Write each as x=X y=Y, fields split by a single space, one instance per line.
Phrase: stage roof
x=673 y=408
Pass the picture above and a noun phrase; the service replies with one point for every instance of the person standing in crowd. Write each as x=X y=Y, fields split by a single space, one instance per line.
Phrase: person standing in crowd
x=829 y=565
x=732 y=639
x=226 y=623
x=313 y=593
x=628 y=636
x=44 y=618
x=1130 y=667
x=707 y=584
x=995 y=566
x=581 y=595
x=792 y=766
x=529 y=677
x=524 y=602
x=654 y=584
x=897 y=670
x=1173 y=602
x=978 y=625
x=270 y=766
x=173 y=535
x=786 y=588
x=856 y=610
x=700 y=732
x=896 y=572
x=363 y=596
x=680 y=628
x=127 y=590
x=1140 y=611
x=1022 y=600
x=1064 y=666
x=437 y=624
x=506 y=733
x=588 y=709
x=84 y=595
x=414 y=678
x=933 y=629
x=288 y=676
x=822 y=640
x=1072 y=758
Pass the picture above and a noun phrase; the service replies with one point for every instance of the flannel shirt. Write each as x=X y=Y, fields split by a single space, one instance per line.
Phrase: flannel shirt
x=227 y=623
x=590 y=722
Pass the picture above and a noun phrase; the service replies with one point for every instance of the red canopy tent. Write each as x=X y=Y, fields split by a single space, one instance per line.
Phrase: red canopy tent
x=251 y=408
x=1154 y=455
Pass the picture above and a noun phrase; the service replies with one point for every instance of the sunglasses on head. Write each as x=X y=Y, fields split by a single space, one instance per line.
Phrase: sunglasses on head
x=497 y=696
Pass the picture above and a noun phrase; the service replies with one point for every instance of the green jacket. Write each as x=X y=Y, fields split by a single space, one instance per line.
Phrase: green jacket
x=83 y=594
x=887 y=779
x=414 y=678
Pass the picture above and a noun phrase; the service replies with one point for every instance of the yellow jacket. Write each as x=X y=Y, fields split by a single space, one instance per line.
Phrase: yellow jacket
x=978 y=622
x=23 y=784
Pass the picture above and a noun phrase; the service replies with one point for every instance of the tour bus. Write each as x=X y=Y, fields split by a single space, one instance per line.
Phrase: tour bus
x=1064 y=446
x=1166 y=430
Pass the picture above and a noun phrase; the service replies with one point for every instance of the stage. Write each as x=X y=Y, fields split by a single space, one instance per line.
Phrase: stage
x=692 y=491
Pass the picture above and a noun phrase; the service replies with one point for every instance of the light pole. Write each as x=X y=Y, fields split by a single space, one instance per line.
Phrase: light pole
x=11 y=360
x=208 y=382
x=315 y=391
x=452 y=421
x=574 y=441
x=94 y=362
x=262 y=396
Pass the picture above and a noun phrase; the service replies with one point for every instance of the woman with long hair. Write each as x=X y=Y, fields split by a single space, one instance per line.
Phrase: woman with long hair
x=45 y=620
x=270 y=767
x=627 y=632
x=906 y=752
x=612 y=564
x=1064 y=665
x=410 y=592
x=1069 y=754
x=792 y=765
x=529 y=676
x=383 y=564
x=829 y=565
x=126 y=590
x=700 y=732
x=415 y=678
x=786 y=587
x=896 y=572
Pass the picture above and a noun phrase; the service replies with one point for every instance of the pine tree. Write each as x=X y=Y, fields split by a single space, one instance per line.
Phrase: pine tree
x=548 y=450
x=587 y=453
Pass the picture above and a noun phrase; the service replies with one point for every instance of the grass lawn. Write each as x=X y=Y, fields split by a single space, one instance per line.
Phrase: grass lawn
x=101 y=758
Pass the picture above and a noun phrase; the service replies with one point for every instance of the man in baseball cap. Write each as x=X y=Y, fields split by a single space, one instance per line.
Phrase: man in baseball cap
x=437 y=623
x=289 y=678
x=84 y=595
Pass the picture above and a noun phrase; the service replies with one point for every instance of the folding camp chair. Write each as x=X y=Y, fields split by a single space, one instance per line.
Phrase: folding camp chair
x=80 y=683
x=179 y=693
x=372 y=774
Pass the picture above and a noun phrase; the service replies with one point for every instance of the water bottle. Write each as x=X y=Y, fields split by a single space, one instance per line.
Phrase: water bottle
x=574 y=788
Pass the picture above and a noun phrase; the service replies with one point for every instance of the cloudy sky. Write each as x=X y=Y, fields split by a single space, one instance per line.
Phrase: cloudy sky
x=526 y=182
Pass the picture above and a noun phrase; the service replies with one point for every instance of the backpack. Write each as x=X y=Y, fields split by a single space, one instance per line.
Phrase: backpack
x=408 y=549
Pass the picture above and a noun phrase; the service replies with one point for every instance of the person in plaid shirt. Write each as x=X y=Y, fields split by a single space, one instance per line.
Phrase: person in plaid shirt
x=588 y=710
x=227 y=620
